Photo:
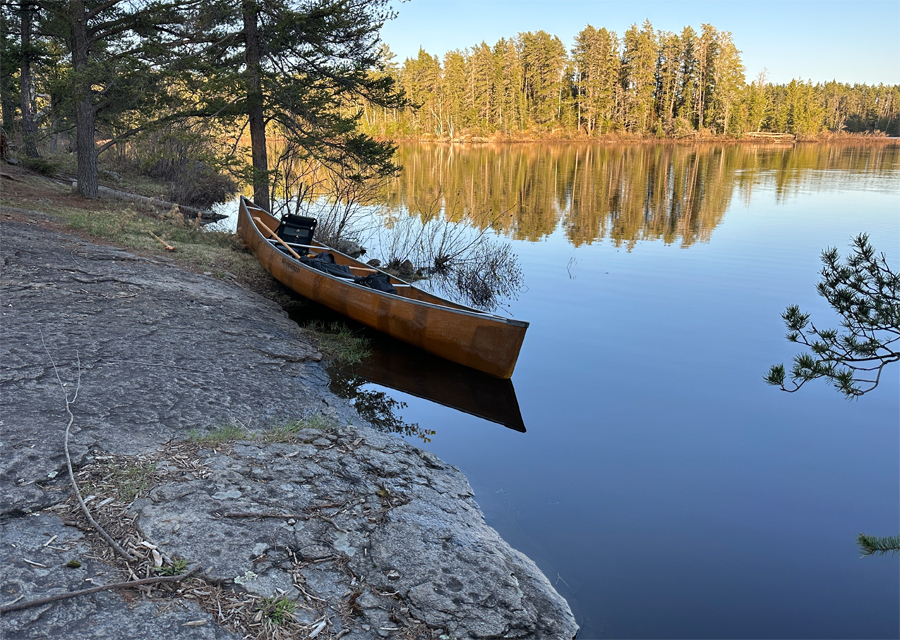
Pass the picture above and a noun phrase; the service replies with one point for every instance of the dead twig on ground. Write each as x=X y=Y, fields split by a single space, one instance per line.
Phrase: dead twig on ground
x=117 y=585
x=115 y=545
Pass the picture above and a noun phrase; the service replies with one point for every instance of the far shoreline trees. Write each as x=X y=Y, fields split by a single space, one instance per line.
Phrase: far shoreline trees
x=643 y=83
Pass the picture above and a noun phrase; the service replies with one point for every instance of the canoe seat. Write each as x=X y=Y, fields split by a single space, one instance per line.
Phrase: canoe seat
x=297 y=230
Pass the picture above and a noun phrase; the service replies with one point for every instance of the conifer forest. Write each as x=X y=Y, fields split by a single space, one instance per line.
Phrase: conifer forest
x=644 y=82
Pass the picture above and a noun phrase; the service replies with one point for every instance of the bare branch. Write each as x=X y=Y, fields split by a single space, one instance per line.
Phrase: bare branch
x=115 y=545
x=83 y=592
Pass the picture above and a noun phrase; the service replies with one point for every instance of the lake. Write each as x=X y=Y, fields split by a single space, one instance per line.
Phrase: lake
x=664 y=489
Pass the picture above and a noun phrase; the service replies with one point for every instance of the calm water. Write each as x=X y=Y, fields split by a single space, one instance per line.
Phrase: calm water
x=661 y=486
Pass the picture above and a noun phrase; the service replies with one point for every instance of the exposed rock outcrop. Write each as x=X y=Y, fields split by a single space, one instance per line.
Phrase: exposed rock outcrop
x=365 y=535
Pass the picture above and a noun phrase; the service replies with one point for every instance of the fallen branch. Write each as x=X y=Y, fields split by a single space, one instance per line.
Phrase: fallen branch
x=115 y=545
x=82 y=592
x=156 y=203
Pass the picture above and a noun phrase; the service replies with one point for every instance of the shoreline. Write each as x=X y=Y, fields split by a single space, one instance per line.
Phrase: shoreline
x=220 y=403
x=779 y=139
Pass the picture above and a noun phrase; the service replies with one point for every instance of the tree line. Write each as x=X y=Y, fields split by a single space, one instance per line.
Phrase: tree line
x=197 y=79
x=645 y=82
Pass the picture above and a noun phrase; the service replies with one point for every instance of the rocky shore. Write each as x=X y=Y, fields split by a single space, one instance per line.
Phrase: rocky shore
x=205 y=437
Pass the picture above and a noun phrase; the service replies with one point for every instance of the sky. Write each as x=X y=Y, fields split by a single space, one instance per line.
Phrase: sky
x=848 y=41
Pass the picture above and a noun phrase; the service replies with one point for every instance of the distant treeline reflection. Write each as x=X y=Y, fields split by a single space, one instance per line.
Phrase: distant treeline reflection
x=671 y=192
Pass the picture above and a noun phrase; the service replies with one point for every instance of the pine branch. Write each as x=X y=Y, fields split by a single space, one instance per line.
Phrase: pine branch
x=864 y=292
x=877 y=545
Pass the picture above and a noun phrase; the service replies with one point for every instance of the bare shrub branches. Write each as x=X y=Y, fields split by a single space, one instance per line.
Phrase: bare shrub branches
x=466 y=263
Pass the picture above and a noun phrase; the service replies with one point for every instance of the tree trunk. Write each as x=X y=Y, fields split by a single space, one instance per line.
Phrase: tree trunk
x=255 y=107
x=29 y=128
x=7 y=106
x=86 y=152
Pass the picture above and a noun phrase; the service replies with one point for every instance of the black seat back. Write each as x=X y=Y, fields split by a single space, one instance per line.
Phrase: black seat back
x=297 y=230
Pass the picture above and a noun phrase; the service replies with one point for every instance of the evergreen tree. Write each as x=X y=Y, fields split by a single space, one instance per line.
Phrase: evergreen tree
x=596 y=75
x=508 y=88
x=543 y=70
x=688 y=79
x=421 y=80
x=668 y=78
x=865 y=292
x=727 y=84
x=805 y=114
x=706 y=51
x=756 y=102
x=453 y=87
x=482 y=76
x=27 y=11
x=293 y=64
x=9 y=58
x=639 y=76
x=120 y=55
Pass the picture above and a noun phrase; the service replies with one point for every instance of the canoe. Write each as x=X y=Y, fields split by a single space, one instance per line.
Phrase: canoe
x=455 y=332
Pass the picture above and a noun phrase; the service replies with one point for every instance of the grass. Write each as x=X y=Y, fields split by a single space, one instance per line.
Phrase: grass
x=277 y=610
x=131 y=481
x=178 y=566
x=285 y=432
x=226 y=433
x=338 y=342
x=129 y=226
x=288 y=431
x=217 y=252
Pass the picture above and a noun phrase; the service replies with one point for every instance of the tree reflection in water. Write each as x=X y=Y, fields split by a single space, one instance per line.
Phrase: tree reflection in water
x=623 y=193
x=375 y=406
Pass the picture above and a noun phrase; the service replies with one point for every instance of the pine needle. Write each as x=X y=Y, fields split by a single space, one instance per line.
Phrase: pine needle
x=876 y=545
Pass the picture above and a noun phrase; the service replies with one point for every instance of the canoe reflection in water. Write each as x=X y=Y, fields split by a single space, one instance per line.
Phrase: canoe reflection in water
x=396 y=366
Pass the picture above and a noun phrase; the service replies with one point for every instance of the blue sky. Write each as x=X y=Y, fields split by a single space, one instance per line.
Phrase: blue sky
x=820 y=41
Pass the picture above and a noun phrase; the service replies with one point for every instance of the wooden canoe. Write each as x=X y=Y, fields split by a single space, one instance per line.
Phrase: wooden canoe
x=473 y=338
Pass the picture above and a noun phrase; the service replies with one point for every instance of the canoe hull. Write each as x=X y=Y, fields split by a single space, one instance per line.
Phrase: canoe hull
x=466 y=336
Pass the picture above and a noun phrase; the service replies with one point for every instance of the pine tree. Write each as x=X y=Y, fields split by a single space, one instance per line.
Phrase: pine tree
x=294 y=63
x=544 y=67
x=668 y=78
x=482 y=75
x=122 y=54
x=688 y=79
x=508 y=85
x=726 y=86
x=639 y=76
x=453 y=85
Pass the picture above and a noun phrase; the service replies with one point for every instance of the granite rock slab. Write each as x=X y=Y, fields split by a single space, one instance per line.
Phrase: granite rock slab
x=381 y=538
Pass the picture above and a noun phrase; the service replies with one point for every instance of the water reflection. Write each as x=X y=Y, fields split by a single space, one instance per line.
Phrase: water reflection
x=626 y=193
x=396 y=365
x=402 y=368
